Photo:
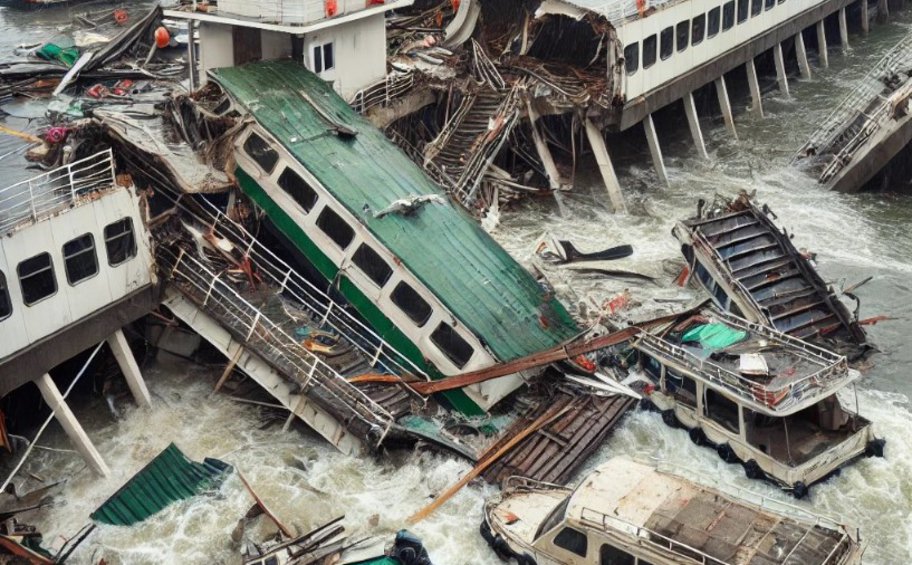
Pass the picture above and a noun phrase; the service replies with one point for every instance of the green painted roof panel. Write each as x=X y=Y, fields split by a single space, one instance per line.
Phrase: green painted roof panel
x=480 y=283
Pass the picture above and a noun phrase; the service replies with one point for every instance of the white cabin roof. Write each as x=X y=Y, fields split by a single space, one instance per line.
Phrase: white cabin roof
x=615 y=11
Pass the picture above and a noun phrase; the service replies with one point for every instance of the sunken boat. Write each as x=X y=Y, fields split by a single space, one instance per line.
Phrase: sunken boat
x=757 y=396
x=751 y=268
x=627 y=512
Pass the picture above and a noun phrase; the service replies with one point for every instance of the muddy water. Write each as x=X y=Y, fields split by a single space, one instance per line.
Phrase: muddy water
x=306 y=482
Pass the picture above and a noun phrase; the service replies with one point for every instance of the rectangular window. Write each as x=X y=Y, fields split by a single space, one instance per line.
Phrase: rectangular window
x=683 y=388
x=769 y=4
x=448 y=340
x=6 y=305
x=632 y=58
x=572 y=540
x=743 y=7
x=713 y=27
x=260 y=151
x=79 y=259
x=722 y=410
x=370 y=262
x=756 y=7
x=297 y=188
x=318 y=59
x=649 y=51
x=728 y=15
x=683 y=35
x=36 y=277
x=335 y=227
x=610 y=555
x=410 y=302
x=323 y=58
x=666 y=43
x=120 y=243
x=698 y=29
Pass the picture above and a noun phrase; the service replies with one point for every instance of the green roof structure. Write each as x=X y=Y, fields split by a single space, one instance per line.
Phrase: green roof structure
x=474 y=277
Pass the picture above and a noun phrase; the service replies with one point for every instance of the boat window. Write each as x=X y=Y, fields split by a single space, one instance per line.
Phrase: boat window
x=36 y=277
x=683 y=35
x=79 y=259
x=610 y=555
x=743 y=7
x=683 y=388
x=649 y=51
x=553 y=519
x=769 y=4
x=323 y=58
x=572 y=540
x=120 y=242
x=335 y=227
x=6 y=305
x=728 y=15
x=721 y=297
x=666 y=43
x=632 y=58
x=698 y=29
x=272 y=560
x=448 y=340
x=410 y=302
x=260 y=151
x=370 y=262
x=297 y=188
x=652 y=367
x=756 y=7
x=722 y=410
x=713 y=27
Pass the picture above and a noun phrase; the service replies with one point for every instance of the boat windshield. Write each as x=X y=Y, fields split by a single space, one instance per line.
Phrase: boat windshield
x=554 y=517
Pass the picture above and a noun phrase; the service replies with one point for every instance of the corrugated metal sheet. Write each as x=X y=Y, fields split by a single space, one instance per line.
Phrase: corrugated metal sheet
x=477 y=280
x=170 y=477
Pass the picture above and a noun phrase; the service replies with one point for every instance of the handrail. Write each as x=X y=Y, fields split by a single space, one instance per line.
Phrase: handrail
x=55 y=191
x=394 y=85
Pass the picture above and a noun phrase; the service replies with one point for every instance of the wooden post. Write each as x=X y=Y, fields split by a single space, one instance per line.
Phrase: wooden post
x=865 y=17
x=822 y=44
x=725 y=104
x=71 y=425
x=693 y=121
x=605 y=167
x=754 y=84
x=127 y=363
x=654 y=149
x=780 y=69
x=229 y=368
x=844 y=30
x=801 y=53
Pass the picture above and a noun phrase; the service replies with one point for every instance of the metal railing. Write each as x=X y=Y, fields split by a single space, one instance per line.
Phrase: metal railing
x=618 y=10
x=55 y=191
x=394 y=85
x=289 y=12
x=213 y=294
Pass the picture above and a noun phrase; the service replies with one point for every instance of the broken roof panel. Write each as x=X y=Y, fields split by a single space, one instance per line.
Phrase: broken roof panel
x=474 y=277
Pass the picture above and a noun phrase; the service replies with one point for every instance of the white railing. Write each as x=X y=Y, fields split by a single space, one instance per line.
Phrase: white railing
x=289 y=12
x=55 y=191
x=618 y=10
x=393 y=86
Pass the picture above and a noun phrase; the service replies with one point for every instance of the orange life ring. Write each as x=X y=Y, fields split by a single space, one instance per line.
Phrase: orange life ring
x=332 y=7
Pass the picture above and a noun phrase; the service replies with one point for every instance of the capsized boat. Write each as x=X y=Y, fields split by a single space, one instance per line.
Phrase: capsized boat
x=758 y=396
x=626 y=512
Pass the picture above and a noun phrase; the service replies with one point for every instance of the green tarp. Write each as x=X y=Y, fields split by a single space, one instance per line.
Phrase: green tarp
x=714 y=336
x=53 y=52
x=170 y=477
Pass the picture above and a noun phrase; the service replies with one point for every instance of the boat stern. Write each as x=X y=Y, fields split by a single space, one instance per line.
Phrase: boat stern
x=512 y=520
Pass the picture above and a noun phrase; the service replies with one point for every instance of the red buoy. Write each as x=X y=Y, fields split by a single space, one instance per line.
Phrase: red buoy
x=162 y=37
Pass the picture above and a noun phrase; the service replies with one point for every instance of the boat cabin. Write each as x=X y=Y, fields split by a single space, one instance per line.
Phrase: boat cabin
x=628 y=513
x=759 y=396
x=374 y=228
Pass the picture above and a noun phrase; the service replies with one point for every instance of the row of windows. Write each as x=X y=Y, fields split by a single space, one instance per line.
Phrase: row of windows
x=371 y=264
x=576 y=542
x=692 y=32
x=36 y=274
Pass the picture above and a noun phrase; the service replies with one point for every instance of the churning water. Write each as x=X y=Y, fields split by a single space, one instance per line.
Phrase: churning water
x=306 y=482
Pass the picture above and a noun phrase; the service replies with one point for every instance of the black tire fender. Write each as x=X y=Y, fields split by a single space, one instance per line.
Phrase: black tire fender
x=698 y=436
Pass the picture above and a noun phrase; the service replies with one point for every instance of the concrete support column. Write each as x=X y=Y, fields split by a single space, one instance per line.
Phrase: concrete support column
x=725 y=104
x=605 y=167
x=822 y=45
x=865 y=17
x=654 y=149
x=780 y=69
x=71 y=425
x=843 y=30
x=883 y=11
x=693 y=120
x=754 y=84
x=801 y=53
x=127 y=363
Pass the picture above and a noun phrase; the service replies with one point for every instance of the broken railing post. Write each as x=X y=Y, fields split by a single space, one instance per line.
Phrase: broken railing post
x=127 y=363
x=725 y=104
x=594 y=134
x=822 y=44
x=780 y=69
x=801 y=54
x=754 y=84
x=654 y=149
x=844 y=30
x=71 y=425
x=693 y=121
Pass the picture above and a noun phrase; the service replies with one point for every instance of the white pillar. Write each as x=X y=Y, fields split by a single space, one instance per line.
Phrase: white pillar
x=725 y=104
x=843 y=30
x=865 y=22
x=191 y=55
x=605 y=167
x=801 y=53
x=544 y=152
x=654 y=149
x=127 y=363
x=754 y=84
x=883 y=11
x=822 y=45
x=780 y=69
x=71 y=425
x=693 y=120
